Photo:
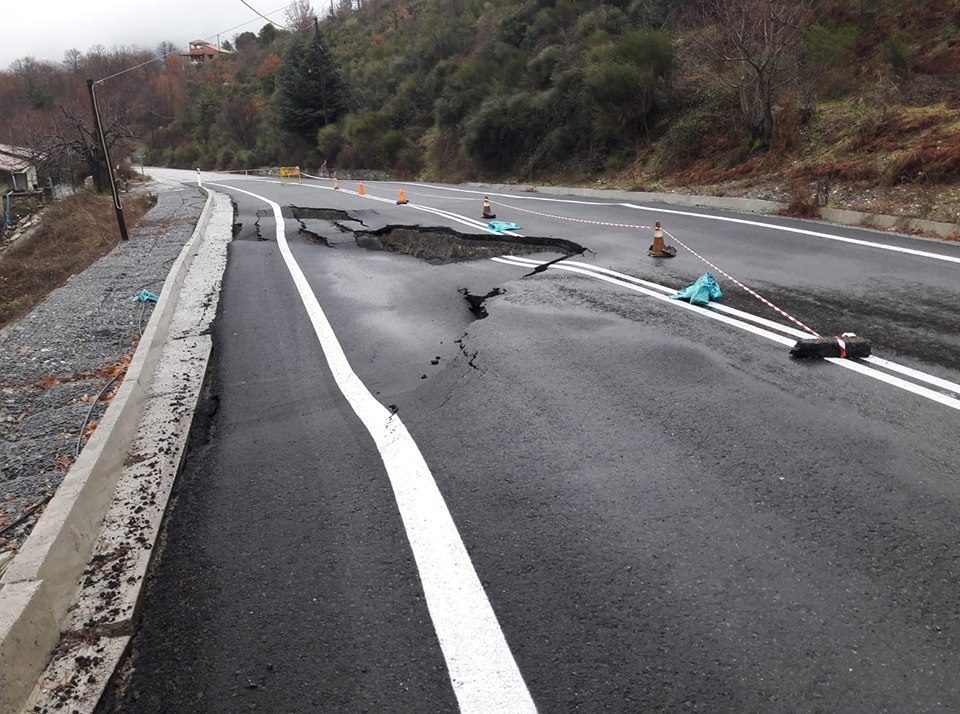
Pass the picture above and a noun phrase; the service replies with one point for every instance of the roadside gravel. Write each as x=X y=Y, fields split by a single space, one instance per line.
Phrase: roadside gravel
x=55 y=361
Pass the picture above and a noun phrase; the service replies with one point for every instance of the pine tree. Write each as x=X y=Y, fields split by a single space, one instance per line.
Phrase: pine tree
x=310 y=93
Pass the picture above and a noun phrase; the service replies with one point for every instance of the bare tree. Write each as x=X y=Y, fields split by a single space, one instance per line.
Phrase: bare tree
x=299 y=15
x=753 y=43
x=239 y=118
x=73 y=60
x=166 y=48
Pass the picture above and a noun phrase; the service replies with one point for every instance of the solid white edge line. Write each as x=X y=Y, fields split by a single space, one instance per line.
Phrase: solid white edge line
x=886 y=364
x=707 y=216
x=916 y=374
x=803 y=231
x=482 y=669
x=660 y=296
x=890 y=379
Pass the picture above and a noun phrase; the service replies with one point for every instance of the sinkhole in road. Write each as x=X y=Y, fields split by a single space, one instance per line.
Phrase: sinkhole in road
x=435 y=244
x=326 y=214
x=440 y=244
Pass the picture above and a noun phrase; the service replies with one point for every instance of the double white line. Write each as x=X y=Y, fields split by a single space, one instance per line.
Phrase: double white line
x=940 y=390
x=483 y=672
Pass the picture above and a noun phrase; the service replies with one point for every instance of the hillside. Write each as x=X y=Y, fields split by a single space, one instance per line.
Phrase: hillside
x=859 y=96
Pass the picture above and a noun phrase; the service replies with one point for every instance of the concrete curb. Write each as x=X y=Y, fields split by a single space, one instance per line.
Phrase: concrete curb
x=39 y=584
x=748 y=205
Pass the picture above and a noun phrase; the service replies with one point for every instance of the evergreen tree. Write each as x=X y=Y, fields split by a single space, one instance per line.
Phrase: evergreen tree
x=310 y=93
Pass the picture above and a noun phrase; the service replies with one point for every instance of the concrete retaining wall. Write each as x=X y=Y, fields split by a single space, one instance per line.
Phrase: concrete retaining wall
x=39 y=584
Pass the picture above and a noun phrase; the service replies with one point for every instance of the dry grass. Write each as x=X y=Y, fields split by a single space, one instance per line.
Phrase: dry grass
x=802 y=203
x=925 y=163
x=887 y=131
x=73 y=234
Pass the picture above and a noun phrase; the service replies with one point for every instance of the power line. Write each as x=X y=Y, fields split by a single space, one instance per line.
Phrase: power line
x=210 y=37
x=262 y=15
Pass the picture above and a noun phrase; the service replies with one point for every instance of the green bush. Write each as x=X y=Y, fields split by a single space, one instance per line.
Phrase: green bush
x=503 y=131
x=896 y=52
x=540 y=68
x=186 y=156
x=330 y=141
x=682 y=143
x=825 y=47
x=390 y=145
x=464 y=89
x=623 y=80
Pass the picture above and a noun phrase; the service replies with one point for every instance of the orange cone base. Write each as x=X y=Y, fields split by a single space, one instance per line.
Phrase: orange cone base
x=667 y=251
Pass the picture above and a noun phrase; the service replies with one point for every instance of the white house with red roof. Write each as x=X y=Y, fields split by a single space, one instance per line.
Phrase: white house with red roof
x=202 y=51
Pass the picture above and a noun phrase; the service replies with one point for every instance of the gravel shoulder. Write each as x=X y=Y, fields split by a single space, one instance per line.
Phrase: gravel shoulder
x=56 y=360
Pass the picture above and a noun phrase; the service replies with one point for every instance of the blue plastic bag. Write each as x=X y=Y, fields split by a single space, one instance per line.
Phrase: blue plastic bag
x=501 y=226
x=701 y=291
x=145 y=296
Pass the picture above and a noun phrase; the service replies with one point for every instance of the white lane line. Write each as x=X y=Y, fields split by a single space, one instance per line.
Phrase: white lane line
x=660 y=296
x=803 y=231
x=482 y=669
x=785 y=329
x=707 y=216
x=456 y=217
x=627 y=279
x=914 y=373
x=944 y=399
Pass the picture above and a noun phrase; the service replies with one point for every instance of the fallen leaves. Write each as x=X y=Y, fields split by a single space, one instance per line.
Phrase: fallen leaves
x=116 y=370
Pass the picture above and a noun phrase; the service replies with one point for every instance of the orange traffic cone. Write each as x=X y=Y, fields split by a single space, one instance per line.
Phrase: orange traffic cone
x=402 y=198
x=659 y=249
x=361 y=190
x=487 y=211
x=336 y=182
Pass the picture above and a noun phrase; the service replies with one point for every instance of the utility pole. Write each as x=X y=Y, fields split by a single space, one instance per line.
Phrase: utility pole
x=106 y=157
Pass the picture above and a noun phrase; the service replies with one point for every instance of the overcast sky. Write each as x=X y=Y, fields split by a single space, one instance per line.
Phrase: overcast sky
x=46 y=29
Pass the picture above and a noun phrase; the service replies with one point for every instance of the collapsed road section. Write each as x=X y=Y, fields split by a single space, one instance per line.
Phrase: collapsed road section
x=432 y=243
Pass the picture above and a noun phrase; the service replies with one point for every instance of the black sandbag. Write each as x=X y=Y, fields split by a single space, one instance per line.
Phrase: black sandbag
x=813 y=348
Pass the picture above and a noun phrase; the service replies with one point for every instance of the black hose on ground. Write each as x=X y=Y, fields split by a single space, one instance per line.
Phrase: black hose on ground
x=89 y=412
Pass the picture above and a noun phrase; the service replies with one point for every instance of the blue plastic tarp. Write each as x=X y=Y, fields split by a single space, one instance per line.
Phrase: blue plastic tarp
x=701 y=291
x=145 y=296
x=501 y=226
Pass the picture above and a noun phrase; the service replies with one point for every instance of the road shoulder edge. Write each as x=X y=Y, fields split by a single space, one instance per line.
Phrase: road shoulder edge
x=884 y=223
x=40 y=584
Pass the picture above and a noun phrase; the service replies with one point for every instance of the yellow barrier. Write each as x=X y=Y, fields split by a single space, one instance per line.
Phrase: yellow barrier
x=290 y=172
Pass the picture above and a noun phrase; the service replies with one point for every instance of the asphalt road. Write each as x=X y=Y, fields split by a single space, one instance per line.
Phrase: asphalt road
x=662 y=510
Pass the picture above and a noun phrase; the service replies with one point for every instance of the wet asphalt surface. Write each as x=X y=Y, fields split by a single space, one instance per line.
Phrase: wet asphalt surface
x=665 y=513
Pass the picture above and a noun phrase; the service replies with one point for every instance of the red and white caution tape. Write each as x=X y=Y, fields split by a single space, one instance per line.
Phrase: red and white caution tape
x=750 y=291
x=445 y=198
x=727 y=275
x=568 y=218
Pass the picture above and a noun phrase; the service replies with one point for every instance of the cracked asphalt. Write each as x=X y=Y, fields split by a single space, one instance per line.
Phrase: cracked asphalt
x=665 y=512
